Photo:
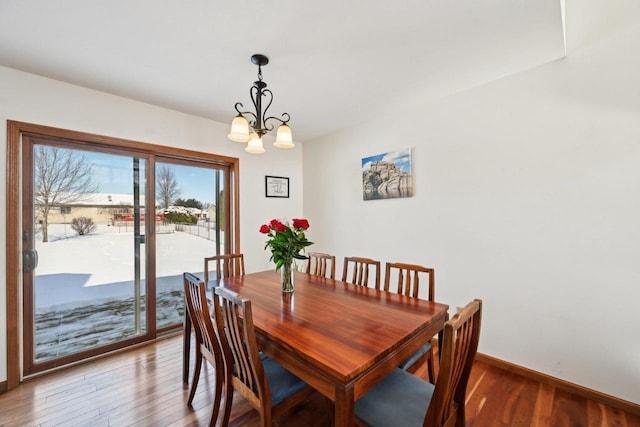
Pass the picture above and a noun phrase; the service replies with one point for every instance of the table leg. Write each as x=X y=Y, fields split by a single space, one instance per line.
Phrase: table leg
x=186 y=345
x=344 y=412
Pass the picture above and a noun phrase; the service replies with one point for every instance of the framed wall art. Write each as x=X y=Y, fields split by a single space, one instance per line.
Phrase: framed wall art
x=276 y=186
x=387 y=175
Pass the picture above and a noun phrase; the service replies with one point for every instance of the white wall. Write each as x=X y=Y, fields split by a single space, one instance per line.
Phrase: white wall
x=527 y=195
x=28 y=98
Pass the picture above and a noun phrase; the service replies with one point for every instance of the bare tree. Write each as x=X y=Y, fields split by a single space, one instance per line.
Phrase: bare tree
x=62 y=176
x=167 y=188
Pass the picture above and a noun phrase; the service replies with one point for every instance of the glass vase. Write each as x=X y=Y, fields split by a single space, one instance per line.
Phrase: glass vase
x=286 y=276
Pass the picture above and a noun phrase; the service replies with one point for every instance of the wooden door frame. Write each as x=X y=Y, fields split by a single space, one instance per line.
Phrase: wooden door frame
x=15 y=129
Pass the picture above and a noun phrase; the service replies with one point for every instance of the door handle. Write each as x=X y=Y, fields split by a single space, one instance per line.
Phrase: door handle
x=29 y=260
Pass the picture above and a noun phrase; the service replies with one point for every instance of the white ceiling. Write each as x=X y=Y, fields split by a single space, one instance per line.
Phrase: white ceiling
x=332 y=63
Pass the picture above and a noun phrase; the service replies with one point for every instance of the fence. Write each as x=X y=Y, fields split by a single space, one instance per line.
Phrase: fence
x=203 y=229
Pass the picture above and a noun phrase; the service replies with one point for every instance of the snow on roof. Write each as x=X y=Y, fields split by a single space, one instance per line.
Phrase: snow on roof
x=106 y=199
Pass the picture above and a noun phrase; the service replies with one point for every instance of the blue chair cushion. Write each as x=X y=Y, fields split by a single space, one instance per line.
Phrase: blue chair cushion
x=400 y=399
x=415 y=356
x=282 y=383
x=262 y=358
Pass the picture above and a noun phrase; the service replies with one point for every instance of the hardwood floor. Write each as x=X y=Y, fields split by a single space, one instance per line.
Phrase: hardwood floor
x=143 y=387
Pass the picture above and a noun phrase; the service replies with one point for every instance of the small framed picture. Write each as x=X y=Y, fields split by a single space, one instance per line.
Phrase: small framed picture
x=276 y=186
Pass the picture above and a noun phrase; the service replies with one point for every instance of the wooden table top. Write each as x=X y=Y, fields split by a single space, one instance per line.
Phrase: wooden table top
x=341 y=329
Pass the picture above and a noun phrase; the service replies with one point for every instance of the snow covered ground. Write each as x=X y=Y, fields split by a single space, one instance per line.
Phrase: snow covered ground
x=84 y=285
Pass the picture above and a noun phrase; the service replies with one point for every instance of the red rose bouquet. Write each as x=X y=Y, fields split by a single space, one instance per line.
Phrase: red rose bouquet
x=286 y=241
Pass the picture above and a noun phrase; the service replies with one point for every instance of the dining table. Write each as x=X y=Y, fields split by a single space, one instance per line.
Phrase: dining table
x=340 y=338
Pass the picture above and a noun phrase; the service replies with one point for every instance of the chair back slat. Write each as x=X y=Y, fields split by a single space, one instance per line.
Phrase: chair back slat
x=461 y=336
x=360 y=271
x=227 y=265
x=408 y=282
x=322 y=265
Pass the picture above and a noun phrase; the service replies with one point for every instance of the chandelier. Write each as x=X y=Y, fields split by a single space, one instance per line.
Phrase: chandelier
x=251 y=131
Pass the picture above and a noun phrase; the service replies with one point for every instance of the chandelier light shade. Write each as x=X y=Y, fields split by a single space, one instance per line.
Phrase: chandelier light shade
x=254 y=146
x=284 y=138
x=250 y=126
x=239 y=130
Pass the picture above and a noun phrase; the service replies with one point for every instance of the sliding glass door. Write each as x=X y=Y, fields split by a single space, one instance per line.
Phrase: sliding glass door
x=191 y=227
x=106 y=234
x=84 y=255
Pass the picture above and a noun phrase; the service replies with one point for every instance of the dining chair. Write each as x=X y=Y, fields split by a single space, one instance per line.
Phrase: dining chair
x=208 y=346
x=403 y=399
x=360 y=271
x=408 y=283
x=266 y=385
x=321 y=264
x=408 y=279
x=227 y=265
